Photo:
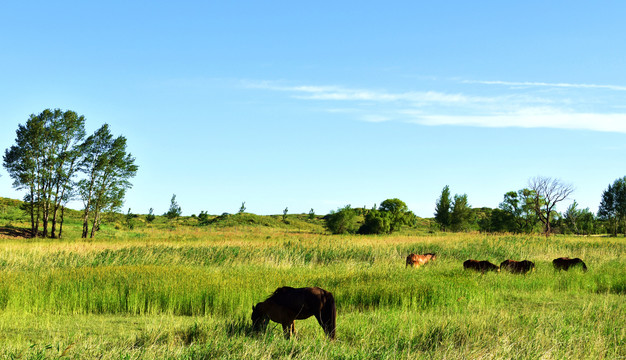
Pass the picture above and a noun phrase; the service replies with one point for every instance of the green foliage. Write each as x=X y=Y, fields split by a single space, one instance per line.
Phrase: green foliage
x=44 y=162
x=242 y=209
x=129 y=220
x=108 y=168
x=342 y=221
x=311 y=214
x=613 y=206
x=203 y=218
x=174 y=211
x=442 y=209
x=376 y=222
x=399 y=213
x=285 y=213
x=150 y=217
x=461 y=214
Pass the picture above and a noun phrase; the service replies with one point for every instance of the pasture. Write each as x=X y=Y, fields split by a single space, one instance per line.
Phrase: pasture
x=187 y=292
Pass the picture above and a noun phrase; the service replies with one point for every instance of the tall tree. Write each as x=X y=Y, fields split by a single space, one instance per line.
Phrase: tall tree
x=519 y=209
x=613 y=205
x=399 y=213
x=108 y=169
x=548 y=192
x=442 y=209
x=43 y=161
x=461 y=213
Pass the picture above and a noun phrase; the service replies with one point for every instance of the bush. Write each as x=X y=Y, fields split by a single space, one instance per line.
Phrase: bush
x=342 y=221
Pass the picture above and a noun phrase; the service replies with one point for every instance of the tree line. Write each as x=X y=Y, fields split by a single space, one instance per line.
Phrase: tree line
x=532 y=209
x=55 y=162
x=528 y=210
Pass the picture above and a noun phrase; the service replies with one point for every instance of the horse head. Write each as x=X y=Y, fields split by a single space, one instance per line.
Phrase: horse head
x=260 y=320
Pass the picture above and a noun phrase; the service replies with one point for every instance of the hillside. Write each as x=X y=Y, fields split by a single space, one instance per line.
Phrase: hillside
x=14 y=222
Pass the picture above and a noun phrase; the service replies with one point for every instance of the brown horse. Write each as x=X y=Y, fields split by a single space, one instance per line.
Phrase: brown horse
x=517 y=267
x=564 y=263
x=416 y=260
x=481 y=266
x=287 y=304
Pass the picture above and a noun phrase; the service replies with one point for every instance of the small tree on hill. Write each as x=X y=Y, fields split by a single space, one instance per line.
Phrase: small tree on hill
x=174 y=210
x=150 y=217
x=442 y=209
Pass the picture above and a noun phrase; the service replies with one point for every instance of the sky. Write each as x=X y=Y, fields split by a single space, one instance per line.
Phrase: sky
x=317 y=105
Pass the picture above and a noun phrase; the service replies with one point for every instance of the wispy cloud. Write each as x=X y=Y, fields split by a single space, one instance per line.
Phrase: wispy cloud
x=578 y=121
x=517 y=108
x=544 y=84
x=346 y=94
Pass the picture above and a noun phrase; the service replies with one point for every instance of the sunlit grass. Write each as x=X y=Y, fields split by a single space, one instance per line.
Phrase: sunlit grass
x=187 y=292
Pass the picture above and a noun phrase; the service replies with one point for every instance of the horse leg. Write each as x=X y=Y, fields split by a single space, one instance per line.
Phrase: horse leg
x=287 y=330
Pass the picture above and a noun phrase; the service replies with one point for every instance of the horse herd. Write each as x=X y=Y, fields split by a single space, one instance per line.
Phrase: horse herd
x=512 y=266
x=287 y=304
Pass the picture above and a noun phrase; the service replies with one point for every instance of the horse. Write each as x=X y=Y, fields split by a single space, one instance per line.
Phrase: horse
x=517 y=267
x=287 y=304
x=416 y=260
x=481 y=266
x=564 y=263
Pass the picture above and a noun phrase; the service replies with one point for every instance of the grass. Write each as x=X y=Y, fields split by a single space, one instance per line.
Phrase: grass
x=185 y=292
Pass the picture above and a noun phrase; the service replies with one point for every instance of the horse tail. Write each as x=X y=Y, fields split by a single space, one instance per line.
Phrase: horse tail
x=329 y=315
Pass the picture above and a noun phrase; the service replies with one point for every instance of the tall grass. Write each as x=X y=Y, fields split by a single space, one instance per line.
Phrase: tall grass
x=187 y=294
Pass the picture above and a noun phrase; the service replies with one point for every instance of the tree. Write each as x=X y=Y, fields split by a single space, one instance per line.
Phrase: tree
x=108 y=169
x=150 y=217
x=174 y=210
x=519 y=215
x=342 y=221
x=242 y=208
x=548 y=192
x=613 y=206
x=461 y=213
x=442 y=209
x=376 y=222
x=285 y=213
x=311 y=214
x=44 y=161
x=399 y=213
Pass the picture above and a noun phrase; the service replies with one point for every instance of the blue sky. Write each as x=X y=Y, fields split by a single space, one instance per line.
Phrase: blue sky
x=323 y=104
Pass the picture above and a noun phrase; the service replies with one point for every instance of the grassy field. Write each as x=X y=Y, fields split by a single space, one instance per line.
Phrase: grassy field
x=186 y=292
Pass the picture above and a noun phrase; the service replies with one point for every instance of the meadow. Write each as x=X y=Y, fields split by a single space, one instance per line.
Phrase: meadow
x=186 y=292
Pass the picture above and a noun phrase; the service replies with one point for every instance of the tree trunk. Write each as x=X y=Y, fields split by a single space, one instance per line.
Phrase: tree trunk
x=61 y=223
x=95 y=225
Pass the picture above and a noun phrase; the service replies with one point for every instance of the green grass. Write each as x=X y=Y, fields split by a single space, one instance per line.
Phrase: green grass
x=164 y=291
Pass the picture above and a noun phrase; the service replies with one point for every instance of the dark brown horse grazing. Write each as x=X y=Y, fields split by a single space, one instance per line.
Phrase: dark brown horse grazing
x=287 y=304
x=481 y=266
x=564 y=263
x=416 y=260
x=517 y=267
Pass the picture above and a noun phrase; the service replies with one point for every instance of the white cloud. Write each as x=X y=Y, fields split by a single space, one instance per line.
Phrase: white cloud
x=435 y=108
x=580 y=121
x=544 y=84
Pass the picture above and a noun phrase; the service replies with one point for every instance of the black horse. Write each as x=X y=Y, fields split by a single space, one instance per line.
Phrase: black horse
x=287 y=304
x=481 y=266
x=517 y=267
x=564 y=263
